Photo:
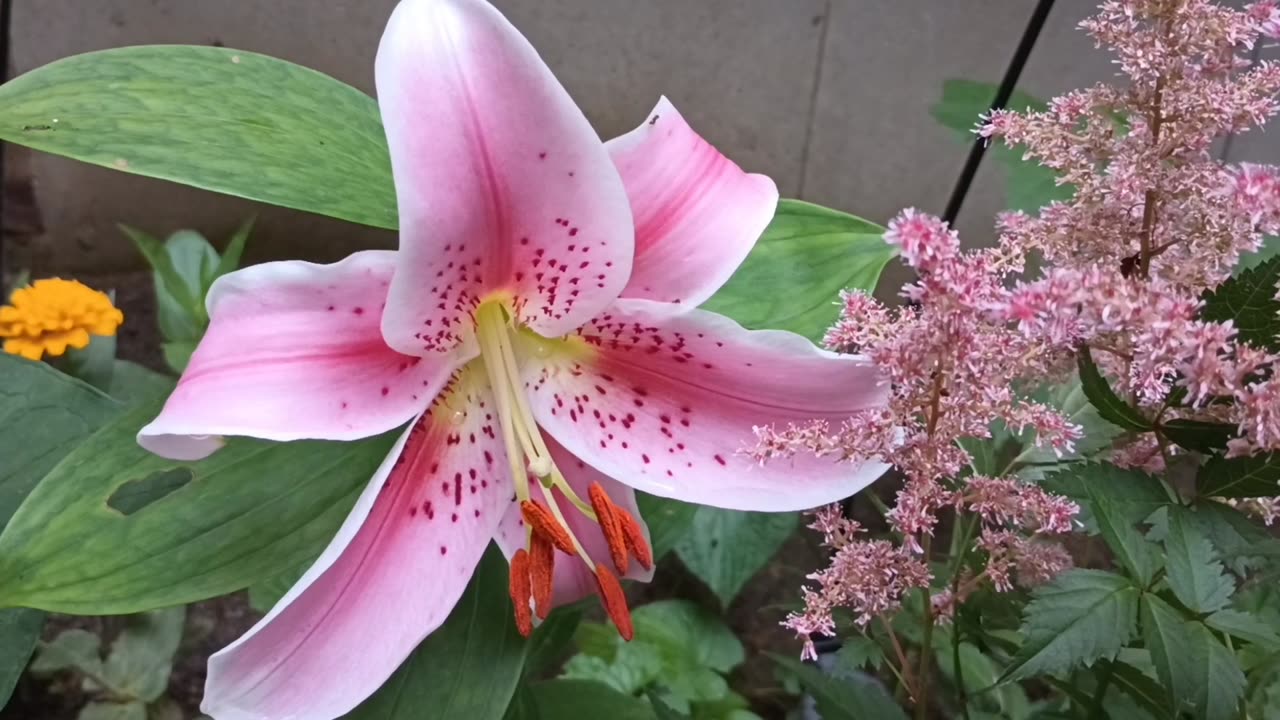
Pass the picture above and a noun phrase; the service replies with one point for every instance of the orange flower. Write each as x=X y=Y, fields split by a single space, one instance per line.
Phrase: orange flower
x=51 y=315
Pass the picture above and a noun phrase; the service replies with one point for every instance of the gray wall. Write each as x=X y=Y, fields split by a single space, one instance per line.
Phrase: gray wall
x=830 y=97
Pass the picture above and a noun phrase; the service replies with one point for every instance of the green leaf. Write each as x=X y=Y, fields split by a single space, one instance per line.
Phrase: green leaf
x=19 y=630
x=1195 y=577
x=177 y=354
x=980 y=673
x=1199 y=673
x=1109 y=405
x=263 y=595
x=858 y=697
x=468 y=668
x=73 y=649
x=1145 y=691
x=230 y=259
x=668 y=521
x=1197 y=435
x=225 y=120
x=176 y=299
x=1028 y=185
x=566 y=699
x=1081 y=616
x=133 y=384
x=793 y=276
x=1240 y=477
x=224 y=530
x=552 y=638
x=131 y=710
x=44 y=414
x=631 y=668
x=724 y=548
x=1117 y=500
x=141 y=657
x=1248 y=301
x=523 y=705
x=196 y=262
x=1246 y=627
x=663 y=711
x=1234 y=536
x=687 y=633
x=859 y=652
x=94 y=363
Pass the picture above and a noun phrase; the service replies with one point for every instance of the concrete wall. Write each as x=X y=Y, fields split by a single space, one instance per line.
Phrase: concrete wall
x=830 y=97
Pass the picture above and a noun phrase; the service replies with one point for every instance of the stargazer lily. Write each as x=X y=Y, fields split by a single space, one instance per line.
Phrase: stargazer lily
x=537 y=331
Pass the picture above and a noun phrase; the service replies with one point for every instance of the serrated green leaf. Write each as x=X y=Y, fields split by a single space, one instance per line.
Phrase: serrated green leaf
x=1197 y=580
x=1081 y=616
x=1200 y=674
x=142 y=655
x=668 y=521
x=632 y=668
x=272 y=131
x=1028 y=185
x=1141 y=688
x=1240 y=477
x=1110 y=406
x=859 y=653
x=795 y=272
x=1248 y=300
x=468 y=668
x=74 y=649
x=1197 y=435
x=663 y=710
x=1270 y=248
x=1246 y=627
x=850 y=698
x=724 y=548
x=220 y=532
x=687 y=634
x=586 y=699
x=1117 y=500
x=1235 y=536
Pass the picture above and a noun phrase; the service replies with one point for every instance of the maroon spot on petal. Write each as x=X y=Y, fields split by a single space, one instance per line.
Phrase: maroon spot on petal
x=720 y=460
x=385 y=390
x=645 y=458
x=444 y=550
x=358 y=311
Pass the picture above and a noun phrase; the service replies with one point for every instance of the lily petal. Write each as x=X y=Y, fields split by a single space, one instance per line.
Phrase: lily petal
x=573 y=580
x=697 y=214
x=294 y=351
x=665 y=401
x=389 y=577
x=503 y=187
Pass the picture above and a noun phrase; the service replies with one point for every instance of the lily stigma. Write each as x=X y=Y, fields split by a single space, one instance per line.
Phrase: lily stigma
x=537 y=338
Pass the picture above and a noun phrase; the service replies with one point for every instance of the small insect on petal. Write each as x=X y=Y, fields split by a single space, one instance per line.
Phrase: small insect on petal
x=610 y=526
x=542 y=561
x=634 y=536
x=543 y=522
x=615 y=602
x=520 y=592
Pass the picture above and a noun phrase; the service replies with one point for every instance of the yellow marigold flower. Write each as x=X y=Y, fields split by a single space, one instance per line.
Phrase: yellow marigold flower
x=53 y=314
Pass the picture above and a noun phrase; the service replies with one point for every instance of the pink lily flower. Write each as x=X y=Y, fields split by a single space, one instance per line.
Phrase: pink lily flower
x=537 y=331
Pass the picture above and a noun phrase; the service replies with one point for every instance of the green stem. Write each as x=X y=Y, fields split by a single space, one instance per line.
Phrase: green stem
x=1104 y=684
x=926 y=643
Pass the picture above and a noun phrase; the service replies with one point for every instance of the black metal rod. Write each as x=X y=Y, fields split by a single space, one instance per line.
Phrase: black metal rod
x=1011 y=75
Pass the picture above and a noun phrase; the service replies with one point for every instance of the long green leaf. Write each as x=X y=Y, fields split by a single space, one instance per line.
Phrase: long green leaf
x=1109 y=405
x=468 y=668
x=226 y=120
x=793 y=276
x=1240 y=477
x=249 y=512
x=724 y=548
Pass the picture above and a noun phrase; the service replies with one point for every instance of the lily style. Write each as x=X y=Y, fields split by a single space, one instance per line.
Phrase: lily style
x=537 y=332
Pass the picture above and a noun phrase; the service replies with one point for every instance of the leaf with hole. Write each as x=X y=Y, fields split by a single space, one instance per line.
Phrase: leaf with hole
x=270 y=131
x=1081 y=616
x=724 y=548
x=251 y=511
x=468 y=668
x=795 y=272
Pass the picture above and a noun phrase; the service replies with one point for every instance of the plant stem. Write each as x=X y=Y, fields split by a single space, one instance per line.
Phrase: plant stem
x=905 y=675
x=1104 y=684
x=955 y=648
x=926 y=643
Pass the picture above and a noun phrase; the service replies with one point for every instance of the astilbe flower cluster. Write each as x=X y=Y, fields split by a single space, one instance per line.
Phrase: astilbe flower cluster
x=1154 y=222
x=953 y=365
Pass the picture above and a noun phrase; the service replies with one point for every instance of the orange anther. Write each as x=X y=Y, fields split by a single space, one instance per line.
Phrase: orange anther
x=610 y=527
x=520 y=592
x=542 y=562
x=615 y=602
x=634 y=536
x=542 y=521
